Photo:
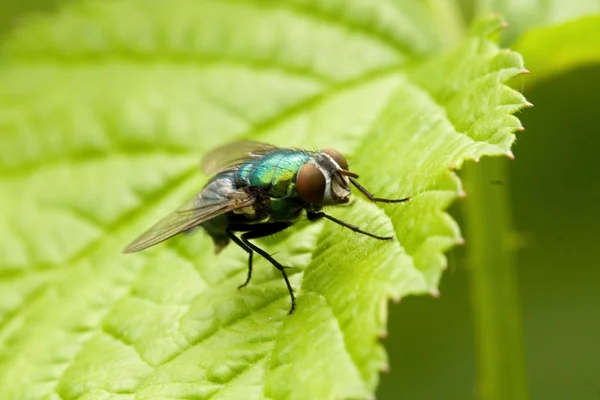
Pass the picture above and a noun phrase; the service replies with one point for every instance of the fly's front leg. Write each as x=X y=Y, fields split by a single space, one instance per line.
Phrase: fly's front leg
x=374 y=199
x=315 y=216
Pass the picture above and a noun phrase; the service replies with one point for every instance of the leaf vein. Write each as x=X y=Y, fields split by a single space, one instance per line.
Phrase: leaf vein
x=305 y=10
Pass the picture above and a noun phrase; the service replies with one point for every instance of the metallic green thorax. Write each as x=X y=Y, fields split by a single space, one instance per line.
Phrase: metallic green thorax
x=275 y=173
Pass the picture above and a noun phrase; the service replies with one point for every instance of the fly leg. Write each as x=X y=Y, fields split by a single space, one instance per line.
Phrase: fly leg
x=258 y=231
x=371 y=197
x=248 y=250
x=315 y=216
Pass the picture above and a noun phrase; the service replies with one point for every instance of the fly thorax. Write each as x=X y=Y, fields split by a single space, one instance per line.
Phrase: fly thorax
x=337 y=186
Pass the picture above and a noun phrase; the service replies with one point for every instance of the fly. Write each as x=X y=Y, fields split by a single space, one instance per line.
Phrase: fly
x=258 y=190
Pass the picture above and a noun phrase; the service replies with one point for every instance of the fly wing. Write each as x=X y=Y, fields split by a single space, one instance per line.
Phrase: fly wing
x=187 y=217
x=233 y=153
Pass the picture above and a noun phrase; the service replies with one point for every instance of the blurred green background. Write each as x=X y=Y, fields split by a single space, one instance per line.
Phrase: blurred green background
x=555 y=192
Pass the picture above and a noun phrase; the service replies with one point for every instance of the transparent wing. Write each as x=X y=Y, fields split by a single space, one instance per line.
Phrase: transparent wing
x=233 y=153
x=187 y=217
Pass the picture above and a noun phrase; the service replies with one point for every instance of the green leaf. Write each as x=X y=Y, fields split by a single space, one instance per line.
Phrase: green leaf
x=555 y=49
x=106 y=110
x=523 y=15
x=553 y=36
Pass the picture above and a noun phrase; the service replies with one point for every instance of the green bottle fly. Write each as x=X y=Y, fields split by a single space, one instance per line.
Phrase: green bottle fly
x=259 y=190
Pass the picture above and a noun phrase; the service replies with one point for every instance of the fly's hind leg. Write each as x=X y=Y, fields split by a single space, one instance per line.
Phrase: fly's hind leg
x=259 y=231
x=239 y=242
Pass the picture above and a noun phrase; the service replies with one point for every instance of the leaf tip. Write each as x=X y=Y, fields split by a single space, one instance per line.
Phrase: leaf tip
x=488 y=25
x=524 y=71
x=528 y=104
x=510 y=155
x=435 y=292
x=460 y=241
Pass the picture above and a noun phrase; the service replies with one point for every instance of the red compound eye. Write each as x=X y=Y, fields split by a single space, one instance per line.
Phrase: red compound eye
x=337 y=157
x=310 y=184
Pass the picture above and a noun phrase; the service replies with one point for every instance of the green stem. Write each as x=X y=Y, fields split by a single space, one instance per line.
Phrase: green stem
x=493 y=283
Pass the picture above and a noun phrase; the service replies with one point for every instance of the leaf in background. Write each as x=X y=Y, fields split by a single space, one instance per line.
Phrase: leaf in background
x=106 y=110
x=523 y=15
x=555 y=49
